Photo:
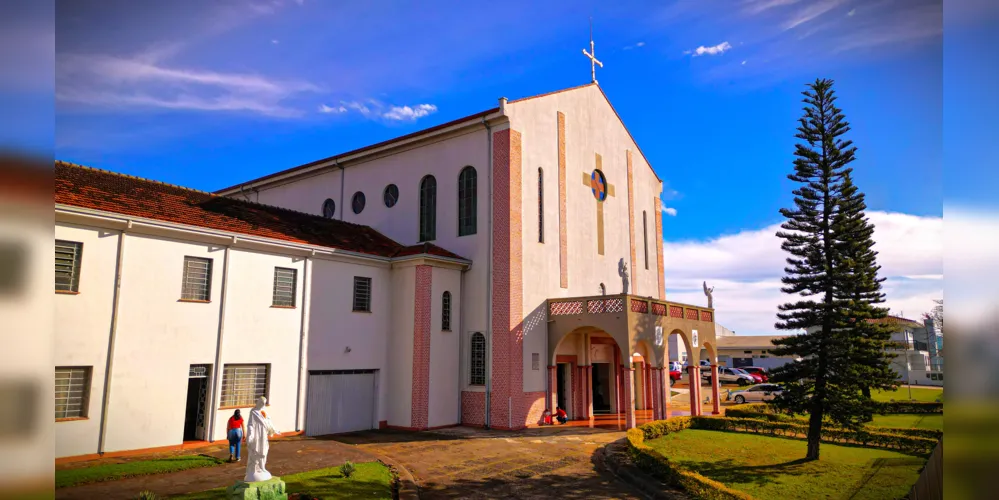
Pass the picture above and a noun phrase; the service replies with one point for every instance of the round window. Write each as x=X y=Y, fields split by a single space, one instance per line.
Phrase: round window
x=391 y=195
x=357 y=203
x=598 y=183
x=329 y=208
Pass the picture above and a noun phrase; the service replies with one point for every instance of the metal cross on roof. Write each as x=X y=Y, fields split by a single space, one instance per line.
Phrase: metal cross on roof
x=593 y=59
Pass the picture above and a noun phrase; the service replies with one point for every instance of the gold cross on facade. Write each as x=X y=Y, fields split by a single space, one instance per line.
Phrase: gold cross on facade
x=593 y=59
x=601 y=190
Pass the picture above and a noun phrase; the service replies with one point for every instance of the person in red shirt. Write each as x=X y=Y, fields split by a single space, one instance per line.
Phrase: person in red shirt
x=560 y=415
x=236 y=432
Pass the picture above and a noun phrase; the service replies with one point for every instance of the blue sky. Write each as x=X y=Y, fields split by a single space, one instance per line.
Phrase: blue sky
x=206 y=94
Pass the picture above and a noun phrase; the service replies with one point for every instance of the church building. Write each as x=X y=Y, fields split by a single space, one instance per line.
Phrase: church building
x=478 y=272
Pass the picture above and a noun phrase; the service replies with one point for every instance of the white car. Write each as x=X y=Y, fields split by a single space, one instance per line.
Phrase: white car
x=728 y=375
x=755 y=394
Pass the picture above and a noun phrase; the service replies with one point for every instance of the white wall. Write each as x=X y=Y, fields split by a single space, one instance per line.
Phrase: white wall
x=445 y=380
x=400 y=347
x=591 y=128
x=334 y=326
x=82 y=326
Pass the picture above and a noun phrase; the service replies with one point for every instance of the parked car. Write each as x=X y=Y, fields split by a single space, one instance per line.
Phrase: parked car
x=674 y=376
x=756 y=370
x=755 y=394
x=757 y=378
x=675 y=366
x=728 y=375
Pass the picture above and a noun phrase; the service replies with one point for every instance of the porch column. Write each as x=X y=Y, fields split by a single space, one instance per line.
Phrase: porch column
x=694 y=375
x=588 y=392
x=714 y=391
x=552 y=385
x=628 y=396
x=656 y=392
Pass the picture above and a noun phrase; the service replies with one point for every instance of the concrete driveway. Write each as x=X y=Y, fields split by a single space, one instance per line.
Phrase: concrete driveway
x=461 y=462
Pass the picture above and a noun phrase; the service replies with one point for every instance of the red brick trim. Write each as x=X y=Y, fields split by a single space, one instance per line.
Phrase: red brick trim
x=563 y=231
x=631 y=224
x=383 y=424
x=187 y=445
x=419 y=418
x=473 y=408
x=657 y=204
x=509 y=404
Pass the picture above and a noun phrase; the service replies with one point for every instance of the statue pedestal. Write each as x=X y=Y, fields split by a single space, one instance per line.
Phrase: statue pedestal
x=271 y=489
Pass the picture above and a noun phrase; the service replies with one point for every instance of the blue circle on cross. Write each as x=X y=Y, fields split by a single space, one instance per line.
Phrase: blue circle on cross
x=599 y=185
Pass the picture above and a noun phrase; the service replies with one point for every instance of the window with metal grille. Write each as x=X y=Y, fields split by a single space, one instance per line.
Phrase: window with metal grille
x=243 y=384
x=197 y=283
x=535 y=361
x=541 y=206
x=362 y=294
x=284 y=286
x=466 y=201
x=478 y=362
x=67 y=265
x=645 y=236
x=428 y=208
x=446 y=312
x=72 y=392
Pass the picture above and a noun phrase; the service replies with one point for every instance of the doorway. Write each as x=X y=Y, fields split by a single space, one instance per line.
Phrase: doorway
x=602 y=396
x=562 y=386
x=197 y=392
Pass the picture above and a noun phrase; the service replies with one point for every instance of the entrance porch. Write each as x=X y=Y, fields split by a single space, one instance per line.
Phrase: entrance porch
x=608 y=359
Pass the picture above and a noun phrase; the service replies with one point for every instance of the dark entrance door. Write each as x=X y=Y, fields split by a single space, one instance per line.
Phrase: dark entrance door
x=561 y=386
x=601 y=388
x=197 y=391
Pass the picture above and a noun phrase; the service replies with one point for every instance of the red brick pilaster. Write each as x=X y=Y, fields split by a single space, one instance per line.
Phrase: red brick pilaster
x=655 y=392
x=509 y=406
x=552 y=398
x=588 y=392
x=631 y=224
x=715 y=410
x=563 y=229
x=658 y=204
x=694 y=373
x=628 y=396
x=421 y=349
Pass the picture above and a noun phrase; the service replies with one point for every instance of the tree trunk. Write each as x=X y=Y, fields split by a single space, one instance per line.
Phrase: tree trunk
x=814 y=432
x=866 y=391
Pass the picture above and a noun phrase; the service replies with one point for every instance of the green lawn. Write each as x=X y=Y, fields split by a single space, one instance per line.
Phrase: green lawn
x=772 y=467
x=111 y=472
x=902 y=394
x=926 y=421
x=370 y=480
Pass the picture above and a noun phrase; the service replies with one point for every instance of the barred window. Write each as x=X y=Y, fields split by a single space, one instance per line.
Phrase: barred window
x=197 y=283
x=467 y=201
x=541 y=206
x=446 y=312
x=645 y=237
x=478 y=364
x=72 y=392
x=284 y=286
x=362 y=294
x=428 y=208
x=243 y=384
x=67 y=265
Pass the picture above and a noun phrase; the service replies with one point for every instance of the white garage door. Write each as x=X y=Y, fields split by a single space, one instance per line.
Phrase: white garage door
x=340 y=401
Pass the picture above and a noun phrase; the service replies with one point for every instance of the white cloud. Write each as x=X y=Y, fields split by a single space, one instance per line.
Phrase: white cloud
x=640 y=44
x=743 y=63
x=711 y=51
x=332 y=109
x=746 y=269
x=811 y=12
x=275 y=41
x=852 y=12
x=670 y=211
x=406 y=113
x=757 y=6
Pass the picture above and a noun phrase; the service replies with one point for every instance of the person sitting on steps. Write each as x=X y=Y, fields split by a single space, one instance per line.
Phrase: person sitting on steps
x=560 y=415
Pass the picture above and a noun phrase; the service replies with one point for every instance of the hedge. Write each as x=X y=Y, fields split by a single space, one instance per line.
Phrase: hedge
x=758 y=411
x=910 y=407
x=654 y=462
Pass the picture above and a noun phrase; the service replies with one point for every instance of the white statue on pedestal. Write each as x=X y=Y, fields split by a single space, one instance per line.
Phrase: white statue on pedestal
x=258 y=429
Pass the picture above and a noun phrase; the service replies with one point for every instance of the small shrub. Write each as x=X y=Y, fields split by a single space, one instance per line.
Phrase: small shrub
x=910 y=407
x=146 y=495
x=347 y=469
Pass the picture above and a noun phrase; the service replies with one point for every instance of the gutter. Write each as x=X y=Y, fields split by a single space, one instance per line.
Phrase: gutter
x=303 y=338
x=489 y=271
x=217 y=369
x=109 y=366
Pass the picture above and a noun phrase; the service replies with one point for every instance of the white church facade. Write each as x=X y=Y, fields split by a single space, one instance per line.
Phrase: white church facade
x=475 y=273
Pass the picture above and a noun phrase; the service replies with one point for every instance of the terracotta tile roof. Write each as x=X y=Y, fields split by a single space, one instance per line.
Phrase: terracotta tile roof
x=92 y=188
x=897 y=321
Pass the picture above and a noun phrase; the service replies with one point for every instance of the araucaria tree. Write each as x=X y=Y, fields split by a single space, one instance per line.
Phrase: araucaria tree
x=833 y=271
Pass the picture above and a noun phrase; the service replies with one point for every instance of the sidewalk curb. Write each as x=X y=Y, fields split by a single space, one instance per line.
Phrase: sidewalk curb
x=614 y=459
x=408 y=489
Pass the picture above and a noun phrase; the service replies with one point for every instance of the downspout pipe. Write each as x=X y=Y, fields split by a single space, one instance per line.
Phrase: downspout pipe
x=217 y=369
x=112 y=334
x=303 y=338
x=489 y=270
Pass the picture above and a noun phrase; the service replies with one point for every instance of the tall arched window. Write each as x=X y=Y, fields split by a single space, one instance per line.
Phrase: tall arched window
x=466 y=201
x=446 y=312
x=428 y=208
x=541 y=206
x=477 y=366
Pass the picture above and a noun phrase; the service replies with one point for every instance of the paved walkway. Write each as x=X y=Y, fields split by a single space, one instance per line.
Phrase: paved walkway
x=461 y=462
x=287 y=456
